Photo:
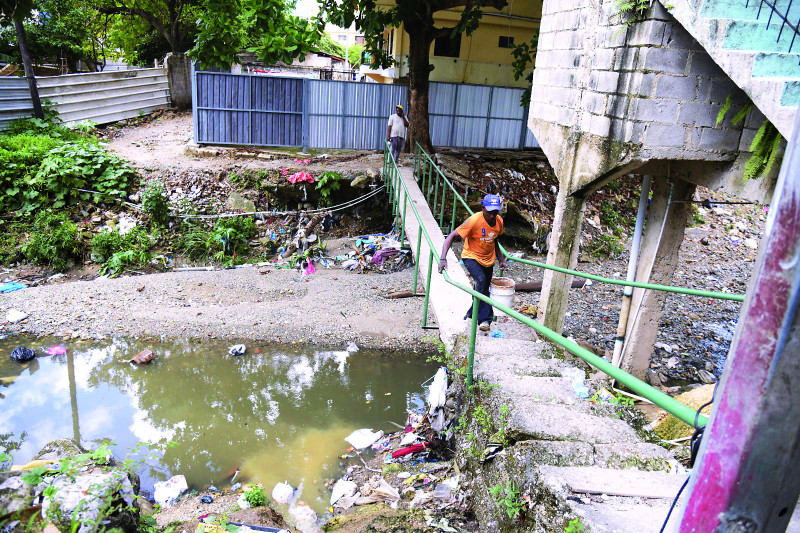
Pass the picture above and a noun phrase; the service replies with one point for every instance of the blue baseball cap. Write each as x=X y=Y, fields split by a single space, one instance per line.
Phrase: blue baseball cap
x=492 y=202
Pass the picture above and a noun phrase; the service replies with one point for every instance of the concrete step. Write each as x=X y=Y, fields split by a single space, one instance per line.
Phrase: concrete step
x=640 y=455
x=776 y=65
x=791 y=94
x=742 y=10
x=756 y=36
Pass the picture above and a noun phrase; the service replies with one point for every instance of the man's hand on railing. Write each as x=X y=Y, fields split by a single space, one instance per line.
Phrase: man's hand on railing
x=442 y=264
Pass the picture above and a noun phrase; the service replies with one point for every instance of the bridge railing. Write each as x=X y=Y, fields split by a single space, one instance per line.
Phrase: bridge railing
x=399 y=197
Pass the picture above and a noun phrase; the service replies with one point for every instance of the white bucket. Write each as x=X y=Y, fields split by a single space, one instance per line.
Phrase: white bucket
x=502 y=291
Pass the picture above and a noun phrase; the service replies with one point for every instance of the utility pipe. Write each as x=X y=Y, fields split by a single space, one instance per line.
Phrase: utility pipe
x=633 y=261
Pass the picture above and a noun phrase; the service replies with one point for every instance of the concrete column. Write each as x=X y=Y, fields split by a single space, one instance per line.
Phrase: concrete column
x=658 y=259
x=562 y=252
x=179 y=77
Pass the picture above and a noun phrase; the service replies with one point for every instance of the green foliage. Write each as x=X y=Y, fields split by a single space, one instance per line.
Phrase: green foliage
x=525 y=55
x=154 y=202
x=4 y=458
x=509 y=498
x=631 y=11
x=224 y=243
x=765 y=149
x=327 y=182
x=329 y=46
x=723 y=111
x=265 y=27
x=606 y=245
x=119 y=252
x=53 y=241
x=575 y=526
x=255 y=496
x=12 y=234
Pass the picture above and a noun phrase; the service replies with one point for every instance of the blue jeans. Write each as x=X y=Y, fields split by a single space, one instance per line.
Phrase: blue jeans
x=397 y=146
x=482 y=276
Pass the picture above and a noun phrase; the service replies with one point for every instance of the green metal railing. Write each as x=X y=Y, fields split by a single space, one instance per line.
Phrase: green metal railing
x=398 y=192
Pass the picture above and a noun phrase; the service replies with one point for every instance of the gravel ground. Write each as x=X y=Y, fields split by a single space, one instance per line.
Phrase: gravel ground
x=331 y=307
x=694 y=333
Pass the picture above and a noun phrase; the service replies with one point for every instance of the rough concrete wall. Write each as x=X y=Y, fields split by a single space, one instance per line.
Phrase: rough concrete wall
x=180 y=81
x=606 y=99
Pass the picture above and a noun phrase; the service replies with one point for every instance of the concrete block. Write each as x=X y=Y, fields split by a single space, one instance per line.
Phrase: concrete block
x=648 y=32
x=576 y=40
x=618 y=105
x=678 y=87
x=639 y=83
x=694 y=136
x=676 y=37
x=586 y=121
x=625 y=58
x=637 y=132
x=564 y=97
x=556 y=452
x=746 y=139
x=703 y=89
x=651 y=110
x=659 y=12
x=699 y=114
x=594 y=102
x=755 y=119
x=600 y=125
x=603 y=59
x=725 y=140
x=571 y=19
x=612 y=36
x=703 y=65
x=566 y=116
x=665 y=135
x=604 y=81
x=664 y=60
x=545 y=43
x=720 y=89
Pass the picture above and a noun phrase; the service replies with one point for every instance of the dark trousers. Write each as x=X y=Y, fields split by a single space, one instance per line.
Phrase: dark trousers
x=482 y=276
x=397 y=146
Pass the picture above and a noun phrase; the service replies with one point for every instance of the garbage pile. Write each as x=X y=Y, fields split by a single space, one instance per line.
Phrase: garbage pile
x=414 y=471
x=379 y=252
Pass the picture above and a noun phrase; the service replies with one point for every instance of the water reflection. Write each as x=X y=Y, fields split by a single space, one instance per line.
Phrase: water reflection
x=277 y=415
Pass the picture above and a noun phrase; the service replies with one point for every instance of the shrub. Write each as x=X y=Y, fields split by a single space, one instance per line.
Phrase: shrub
x=11 y=235
x=255 y=496
x=53 y=240
x=119 y=252
x=154 y=202
x=327 y=182
x=228 y=239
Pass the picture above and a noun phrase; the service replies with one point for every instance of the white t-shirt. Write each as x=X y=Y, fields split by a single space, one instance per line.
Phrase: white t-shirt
x=397 y=125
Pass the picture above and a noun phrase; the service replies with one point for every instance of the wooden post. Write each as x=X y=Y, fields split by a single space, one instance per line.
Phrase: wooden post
x=748 y=474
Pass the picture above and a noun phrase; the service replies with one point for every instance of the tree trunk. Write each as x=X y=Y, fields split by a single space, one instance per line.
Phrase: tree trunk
x=419 y=70
x=28 y=66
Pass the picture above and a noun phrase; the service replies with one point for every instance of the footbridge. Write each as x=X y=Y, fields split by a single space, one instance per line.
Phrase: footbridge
x=565 y=457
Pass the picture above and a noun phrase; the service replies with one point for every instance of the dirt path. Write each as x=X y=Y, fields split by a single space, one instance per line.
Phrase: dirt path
x=331 y=307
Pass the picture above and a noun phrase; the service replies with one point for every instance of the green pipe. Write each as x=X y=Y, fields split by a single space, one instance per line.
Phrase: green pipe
x=453 y=219
x=435 y=197
x=402 y=223
x=428 y=282
x=666 y=402
x=416 y=262
x=472 y=334
x=666 y=288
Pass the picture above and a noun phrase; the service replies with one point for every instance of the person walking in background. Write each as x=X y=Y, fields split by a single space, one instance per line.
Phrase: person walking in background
x=396 y=131
x=480 y=232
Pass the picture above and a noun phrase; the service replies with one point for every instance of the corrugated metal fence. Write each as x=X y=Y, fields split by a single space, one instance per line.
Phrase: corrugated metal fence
x=248 y=109
x=101 y=97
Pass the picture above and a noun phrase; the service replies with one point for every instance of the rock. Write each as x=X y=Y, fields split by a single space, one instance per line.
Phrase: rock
x=15 y=494
x=751 y=243
x=651 y=376
x=706 y=376
x=709 y=366
x=666 y=347
x=237 y=202
x=371 y=173
x=97 y=220
x=360 y=182
x=59 y=449
x=705 y=241
x=593 y=331
x=672 y=362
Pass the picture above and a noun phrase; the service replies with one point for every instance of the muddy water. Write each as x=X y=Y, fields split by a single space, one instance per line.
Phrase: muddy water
x=281 y=414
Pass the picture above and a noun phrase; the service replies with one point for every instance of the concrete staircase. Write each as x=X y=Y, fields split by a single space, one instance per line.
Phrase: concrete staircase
x=573 y=459
x=754 y=54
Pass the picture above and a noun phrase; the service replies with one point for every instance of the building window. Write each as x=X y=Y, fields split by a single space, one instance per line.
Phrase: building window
x=342 y=38
x=506 y=42
x=447 y=47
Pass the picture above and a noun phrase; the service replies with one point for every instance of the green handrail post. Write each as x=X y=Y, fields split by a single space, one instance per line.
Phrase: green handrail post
x=430 y=182
x=472 y=334
x=453 y=219
x=416 y=262
x=441 y=215
x=435 y=195
x=427 y=284
x=403 y=222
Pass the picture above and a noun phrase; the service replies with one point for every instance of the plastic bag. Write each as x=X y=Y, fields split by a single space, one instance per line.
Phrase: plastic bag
x=20 y=354
x=577 y=376
x=237 y=349
x=56 y=350
x=437 y=392
x=361 y=438
x=166 y=492
x=282 y=493
x=342 y=488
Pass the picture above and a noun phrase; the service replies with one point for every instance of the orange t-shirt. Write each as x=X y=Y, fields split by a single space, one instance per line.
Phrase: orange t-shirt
x=479 y=238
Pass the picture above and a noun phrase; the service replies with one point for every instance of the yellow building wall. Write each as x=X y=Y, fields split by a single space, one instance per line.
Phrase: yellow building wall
x=481 y=60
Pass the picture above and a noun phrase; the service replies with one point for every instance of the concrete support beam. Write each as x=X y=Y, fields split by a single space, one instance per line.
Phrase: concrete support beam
x=562 y=252
x=666 y=223
x=179 y=69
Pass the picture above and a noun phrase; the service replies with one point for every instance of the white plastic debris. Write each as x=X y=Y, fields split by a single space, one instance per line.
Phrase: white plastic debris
x=352 y=347
x=166 y=492
x=350 y=264
x=343 y=488
x=282 y=492
x=305 y=519
x=408 y=438
x=242 y=502
x=437 y=392
x=15 y=316
x=237 y=349
x=361 y=438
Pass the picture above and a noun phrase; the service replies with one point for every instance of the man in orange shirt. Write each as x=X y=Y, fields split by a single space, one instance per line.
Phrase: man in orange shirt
x=480 y=232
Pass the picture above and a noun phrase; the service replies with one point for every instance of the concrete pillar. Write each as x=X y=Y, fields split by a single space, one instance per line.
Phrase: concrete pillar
x=658 y=259
x=562 y=252
x=179 y=76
